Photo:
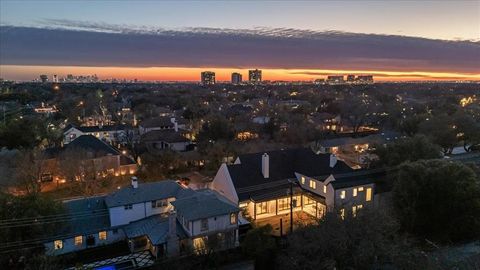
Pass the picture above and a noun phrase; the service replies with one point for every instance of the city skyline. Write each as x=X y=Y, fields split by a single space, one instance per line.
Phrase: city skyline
x=440 y=41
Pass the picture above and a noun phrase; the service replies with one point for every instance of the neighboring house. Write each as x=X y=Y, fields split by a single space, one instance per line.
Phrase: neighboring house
x=165 y=139
x=327 y=122
x=114 y=135
x=260 y=184
x=164 y=217
x=161 y=123
x=100 y=158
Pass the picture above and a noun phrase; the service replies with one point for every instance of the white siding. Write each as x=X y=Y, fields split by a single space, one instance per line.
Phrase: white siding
x=215 y=224
x=224 y=185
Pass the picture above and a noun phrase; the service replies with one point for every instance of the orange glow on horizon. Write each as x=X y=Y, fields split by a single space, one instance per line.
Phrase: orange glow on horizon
x=28 y=73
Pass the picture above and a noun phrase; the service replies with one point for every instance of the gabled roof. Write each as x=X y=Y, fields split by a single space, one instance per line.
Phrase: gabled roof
x=204 y=203
x=146 y=192
x=92 y=144
x=156 y=228
x=165 y=135
x=157 y=122
x=90 y=129
x=247 y=176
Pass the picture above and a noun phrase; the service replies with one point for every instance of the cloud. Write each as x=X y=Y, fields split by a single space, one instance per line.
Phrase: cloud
x=78 y=43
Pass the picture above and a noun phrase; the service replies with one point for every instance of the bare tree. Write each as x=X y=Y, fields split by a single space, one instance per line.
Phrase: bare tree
x=31 y=165
x=79 y=165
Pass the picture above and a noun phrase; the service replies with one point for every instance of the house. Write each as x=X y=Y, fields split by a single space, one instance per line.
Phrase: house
x=98 y=158
x=165 y=139
x=263 y=183
x=114 y=135
x=161 y=123
x=164 y=217
x=327 y=122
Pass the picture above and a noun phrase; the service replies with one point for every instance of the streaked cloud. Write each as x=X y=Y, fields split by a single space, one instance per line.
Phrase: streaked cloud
x=79 y=43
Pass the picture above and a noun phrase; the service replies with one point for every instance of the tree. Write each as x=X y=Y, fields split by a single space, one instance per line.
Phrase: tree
x=409 y=149
x=260 y=245
x=468 y=130
x=358 y=110
x=77 y=164
x=369 y=240
x=441 y=130
x=439 y=200
x=217 y=128
x=30 y=165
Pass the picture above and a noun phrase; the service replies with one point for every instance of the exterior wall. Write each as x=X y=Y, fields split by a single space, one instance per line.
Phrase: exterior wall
x=71 y=134
x=159 y=210
x=69 y=243
x=224 y=185
x=127 y=169
x=319 y=185
x=215 y=224
x=120 y=216
x=351 y=201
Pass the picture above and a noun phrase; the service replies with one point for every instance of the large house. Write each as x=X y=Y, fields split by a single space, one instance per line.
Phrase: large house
x=115 y=135
x=166 y=139
x=164 y=217
x=260 y=183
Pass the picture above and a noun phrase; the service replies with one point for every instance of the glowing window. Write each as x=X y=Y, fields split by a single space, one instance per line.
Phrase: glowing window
x=303 y=180
x=78 y=240
x=343 y=194
x=233 y=218
x=243 y=205
x=368 y=196
x=262 y=208
x=355 y=192
x=102 y=235
x=342 y=213
x=360 y=189
x=283 y=204
x=313 y=184
x=58 y=244
x=325 y=189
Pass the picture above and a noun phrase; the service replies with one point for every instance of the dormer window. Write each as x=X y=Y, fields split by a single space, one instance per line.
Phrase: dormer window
x=204 y=224
x=313 y=184
x=302 y=179
x=343 y=194
x=325 y=189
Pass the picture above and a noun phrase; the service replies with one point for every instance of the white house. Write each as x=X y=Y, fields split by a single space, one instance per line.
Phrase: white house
x=260 y=183
x=145 y=215
x=111 y=134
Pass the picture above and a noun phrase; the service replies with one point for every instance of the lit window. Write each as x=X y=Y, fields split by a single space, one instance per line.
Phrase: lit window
x=58 y=244
x=313 y=184
x=204 y=224
x=78 y=240
x=262 y=208
x=233 y=218
x=303 y=180
x=325 y=189
x=368 y=196
x=243 y=205
x=307 y=200
x=342 y=194
x=354 y=211
x=360 y=189
x=359 y=206
x=342 y=213
x=127 y=207
x=159 y=203
x=355 y=192
x=102 y=235
x=283 y=204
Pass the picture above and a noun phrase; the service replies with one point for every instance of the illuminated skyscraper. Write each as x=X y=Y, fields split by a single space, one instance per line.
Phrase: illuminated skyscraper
x=43 y=78
x=350 y=78
x=255 y=76
x=236 y=78
x=208 y=78
x=365 y=78
x=55 y=78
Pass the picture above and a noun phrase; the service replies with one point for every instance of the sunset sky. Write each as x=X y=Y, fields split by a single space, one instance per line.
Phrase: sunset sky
x=289 y=40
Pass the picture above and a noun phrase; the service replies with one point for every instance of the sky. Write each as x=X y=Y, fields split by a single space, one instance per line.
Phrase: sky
x=289 y=40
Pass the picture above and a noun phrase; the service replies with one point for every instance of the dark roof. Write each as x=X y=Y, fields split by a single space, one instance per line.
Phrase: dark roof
x=204 y=204
x=147 y=192
x=124 y=160
x=92 y=144
x=95 y=128
x=85 y=216
x=156 y=228
x=247 y=176
x=157 y=122
x=380 y=138
x=360 y=177
x=165 y=135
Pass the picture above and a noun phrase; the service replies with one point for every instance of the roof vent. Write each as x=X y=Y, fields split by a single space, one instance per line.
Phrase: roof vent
x=134 y=182
x=265 y=165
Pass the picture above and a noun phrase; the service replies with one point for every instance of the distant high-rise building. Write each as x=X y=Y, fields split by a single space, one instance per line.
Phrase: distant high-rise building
x=236 y=78
x=350 y=78
x=208 y=77
x=335 y=79
x=55 y=78
x=43 y=78
x=255 y=76
x=365 y=79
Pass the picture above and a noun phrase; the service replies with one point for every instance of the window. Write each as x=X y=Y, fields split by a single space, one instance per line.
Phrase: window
x=204 y=225
x=355 y=190
x=102 y=235
x=243 y=205
x=343 y=194
x=368 y=196
x=128 y=207
x=283 y=204
x=233 y=218
x=307 y=200
x=342 y=213
x=360 y=189
x=354 y=211
x=78 y=240
x=58 y=244
x=359 y=206
x=325 y=189
x=313 y=184
x=303 y=180
x=262 y=208
x=159 y=203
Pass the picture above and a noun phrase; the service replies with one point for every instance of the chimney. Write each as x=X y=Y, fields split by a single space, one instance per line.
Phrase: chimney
x=333 y=160
x=265 y=165
x=175 y=124
x=134 y=182
x=172 y=120
x=173 y=247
